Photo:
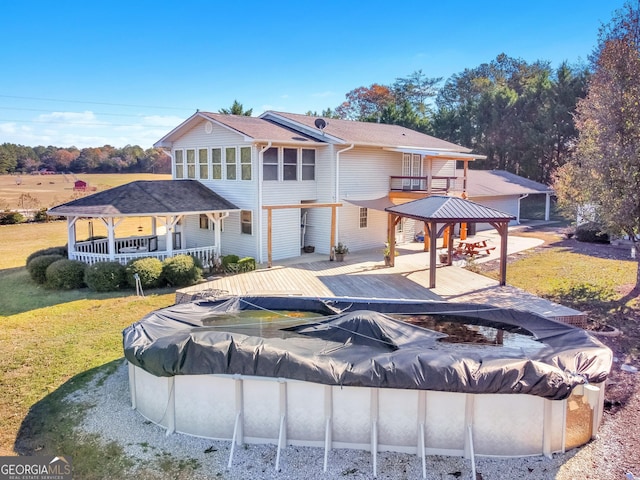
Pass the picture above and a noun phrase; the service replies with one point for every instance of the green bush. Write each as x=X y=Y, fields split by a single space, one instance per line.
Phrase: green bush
x=181 y=271
x=229 y=259
x=105 y=276
x=149 y=271
x=48 y=251
x=37 y=267
x=41 y=216
x=247 y=264
x=11 y=218
x=66 y=274
x=591 y=233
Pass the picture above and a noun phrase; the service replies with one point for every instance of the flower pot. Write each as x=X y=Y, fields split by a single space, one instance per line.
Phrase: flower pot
x=387 y=261
x=309 y=249
x=339 y=257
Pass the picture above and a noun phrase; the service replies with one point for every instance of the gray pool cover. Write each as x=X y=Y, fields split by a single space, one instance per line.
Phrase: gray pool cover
x=362 y=346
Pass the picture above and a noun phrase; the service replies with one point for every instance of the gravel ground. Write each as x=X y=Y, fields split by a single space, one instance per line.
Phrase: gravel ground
x=180 y=456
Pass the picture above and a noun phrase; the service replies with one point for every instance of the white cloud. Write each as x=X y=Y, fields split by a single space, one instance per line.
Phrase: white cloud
x=72 y=118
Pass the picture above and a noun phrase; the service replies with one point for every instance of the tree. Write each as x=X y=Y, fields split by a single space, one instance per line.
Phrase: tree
x=604 y=172
x=366 y=104
x=516 y=113
x=236 y=109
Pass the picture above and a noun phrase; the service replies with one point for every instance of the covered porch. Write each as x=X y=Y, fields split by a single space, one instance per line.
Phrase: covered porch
x=168 y=204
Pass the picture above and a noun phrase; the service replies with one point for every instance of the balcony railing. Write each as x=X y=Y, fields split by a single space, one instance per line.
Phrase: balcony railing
x=438 y=185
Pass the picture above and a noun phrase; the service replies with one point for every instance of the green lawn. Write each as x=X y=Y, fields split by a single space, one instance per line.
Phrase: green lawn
x=48 y=337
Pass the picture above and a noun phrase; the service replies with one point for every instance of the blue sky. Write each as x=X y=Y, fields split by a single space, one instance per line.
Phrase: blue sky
x=116 y=72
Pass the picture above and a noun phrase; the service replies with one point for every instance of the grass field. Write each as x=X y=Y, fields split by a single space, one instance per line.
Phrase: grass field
x=50 y=190
x=52 y=341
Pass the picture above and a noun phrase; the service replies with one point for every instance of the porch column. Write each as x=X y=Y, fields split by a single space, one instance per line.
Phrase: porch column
x=547 y=207
x=71 y=236
x=111 y=236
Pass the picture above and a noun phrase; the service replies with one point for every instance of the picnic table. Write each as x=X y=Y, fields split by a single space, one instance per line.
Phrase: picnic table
x=473 y=248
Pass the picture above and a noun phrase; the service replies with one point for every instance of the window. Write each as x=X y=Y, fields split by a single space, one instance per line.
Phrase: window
x=179 y=162
x=364 y=217
x=216 y=163
x=191 y=163
x=270 y=164
x=290 y=163
x=204 y=221
x=203 y=160
x=245 y=222
x=230 y=159
x=308 y=164
x=245 y=163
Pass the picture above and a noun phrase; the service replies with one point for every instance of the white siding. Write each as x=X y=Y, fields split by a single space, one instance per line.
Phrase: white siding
x=243 y=193
x=506 y=204
x=364 y=174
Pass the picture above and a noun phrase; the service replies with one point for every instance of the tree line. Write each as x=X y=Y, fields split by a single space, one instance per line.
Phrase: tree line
x=105 y=159
x=518 y=114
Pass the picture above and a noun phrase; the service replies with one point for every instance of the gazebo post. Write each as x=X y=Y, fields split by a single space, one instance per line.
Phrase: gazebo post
x=503 y=230
x=433 y=234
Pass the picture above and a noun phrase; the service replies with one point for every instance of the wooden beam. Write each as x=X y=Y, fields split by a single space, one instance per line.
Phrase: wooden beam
x=393 y=220
x=332 y=240
x=433 y=237
x=301 y=205
x=269 y=236
x=503 y=230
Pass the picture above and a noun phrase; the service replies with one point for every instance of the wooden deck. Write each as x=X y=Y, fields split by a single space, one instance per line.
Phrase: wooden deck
x=364 y=275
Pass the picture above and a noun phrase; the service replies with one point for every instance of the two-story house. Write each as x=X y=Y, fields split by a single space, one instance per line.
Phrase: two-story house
x=282 y=159
x=278 y=182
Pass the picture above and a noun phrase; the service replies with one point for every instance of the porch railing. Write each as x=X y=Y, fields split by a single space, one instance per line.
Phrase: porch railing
x=147 y=243
x=439 y=184
x=206 y=255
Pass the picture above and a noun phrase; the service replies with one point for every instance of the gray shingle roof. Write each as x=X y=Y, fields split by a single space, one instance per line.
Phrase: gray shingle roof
x=448 y=209
x=259 y=128
x=376 y=134
x=490 y=183
x=141 y=198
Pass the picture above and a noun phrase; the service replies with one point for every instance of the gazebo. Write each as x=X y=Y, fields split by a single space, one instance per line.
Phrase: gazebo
x=442 y=212
x=167 y=202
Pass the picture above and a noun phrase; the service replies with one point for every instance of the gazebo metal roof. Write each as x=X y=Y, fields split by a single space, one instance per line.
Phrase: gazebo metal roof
x=447 y=211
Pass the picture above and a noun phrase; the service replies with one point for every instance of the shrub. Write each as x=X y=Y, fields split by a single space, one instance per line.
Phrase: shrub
x=591 y=233
x=181 y=271
x=149 y=271
x=11 y=218
x=41 y=216
x=247 y=264
x=48 y=251
x=66 y=274
x=37 y=267
x=105 y=276
x=229 y=259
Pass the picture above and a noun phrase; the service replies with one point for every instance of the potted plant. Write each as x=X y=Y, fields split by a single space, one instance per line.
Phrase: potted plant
x=340 y=251
x=386 y=253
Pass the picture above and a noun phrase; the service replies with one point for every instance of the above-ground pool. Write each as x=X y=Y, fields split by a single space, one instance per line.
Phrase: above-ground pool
x=379 y=375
